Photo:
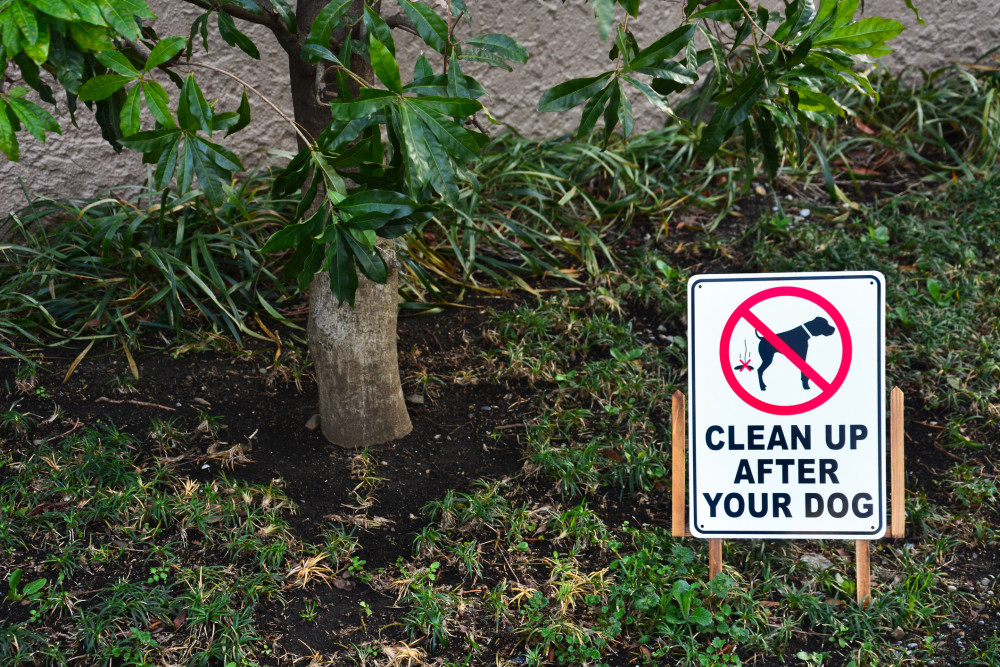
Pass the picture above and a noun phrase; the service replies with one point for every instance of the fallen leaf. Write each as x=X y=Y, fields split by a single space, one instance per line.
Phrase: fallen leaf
x=179 y=621
x=343 y=584
x=865 y=129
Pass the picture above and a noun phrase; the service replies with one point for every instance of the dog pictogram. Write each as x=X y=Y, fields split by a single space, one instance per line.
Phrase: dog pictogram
x=797 y=339
x=793 y=344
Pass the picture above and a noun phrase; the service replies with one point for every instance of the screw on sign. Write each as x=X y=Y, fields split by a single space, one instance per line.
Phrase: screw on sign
x=786 y=405
x=793 y=344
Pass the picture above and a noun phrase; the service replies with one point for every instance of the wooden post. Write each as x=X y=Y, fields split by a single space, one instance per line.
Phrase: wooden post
x=898 y=479
x=714 y=557
x=864 y=573
x=678 y=489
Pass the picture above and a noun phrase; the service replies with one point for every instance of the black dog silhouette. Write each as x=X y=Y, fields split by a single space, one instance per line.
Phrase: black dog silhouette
x=797 y=339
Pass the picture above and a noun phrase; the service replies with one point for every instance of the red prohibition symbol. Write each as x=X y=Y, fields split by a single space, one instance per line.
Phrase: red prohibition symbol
x=827 y=388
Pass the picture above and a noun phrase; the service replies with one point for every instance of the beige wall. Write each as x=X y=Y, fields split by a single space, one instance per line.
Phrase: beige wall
x=563 y=42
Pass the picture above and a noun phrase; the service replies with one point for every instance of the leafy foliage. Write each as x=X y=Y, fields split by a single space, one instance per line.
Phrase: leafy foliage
x=764 y=85
x=406 y=143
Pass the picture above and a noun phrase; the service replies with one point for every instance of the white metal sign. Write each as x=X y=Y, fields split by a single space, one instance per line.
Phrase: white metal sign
x=787 y=405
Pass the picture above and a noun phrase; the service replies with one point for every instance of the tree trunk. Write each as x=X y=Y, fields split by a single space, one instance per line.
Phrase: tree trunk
x=354 y=355
x=353 y=350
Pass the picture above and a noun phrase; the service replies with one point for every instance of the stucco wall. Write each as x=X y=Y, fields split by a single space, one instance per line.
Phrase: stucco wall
x=563 y=42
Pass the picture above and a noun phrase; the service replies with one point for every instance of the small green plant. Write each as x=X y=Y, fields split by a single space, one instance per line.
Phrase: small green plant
x=124 y=384
x=365 y=608
x=31 y=591
x=157 y=576
x=15 y=422
x=309 y=612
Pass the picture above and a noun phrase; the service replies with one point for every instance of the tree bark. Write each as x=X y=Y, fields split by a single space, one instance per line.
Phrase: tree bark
x=353 y=350
x=354 y=355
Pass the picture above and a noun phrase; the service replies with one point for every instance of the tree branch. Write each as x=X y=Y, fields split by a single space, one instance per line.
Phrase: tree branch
x=268 y=19
x=401 y=21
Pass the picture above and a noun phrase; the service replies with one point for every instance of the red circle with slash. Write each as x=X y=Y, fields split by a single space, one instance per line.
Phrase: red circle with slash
x=827 y=389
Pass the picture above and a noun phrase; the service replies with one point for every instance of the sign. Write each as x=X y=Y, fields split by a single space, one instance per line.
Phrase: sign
x=787 y=405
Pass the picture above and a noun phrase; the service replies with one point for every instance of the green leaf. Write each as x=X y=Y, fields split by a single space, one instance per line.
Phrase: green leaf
x=314 y=53
x=369 y=101
x=442 y=85
x=88 y=11
x=570 y=93
x=198 y=26
x=24 y=18
x=768 y=143
x=664 y=48
x=244 y=112
x=193 y=112
x=233 y=37
x=327 y=21
x=625 y=115
x=35 y=119
x=102 y=86
x=135 y=7
x=658 y=101
x=117 y=62
x=130 y=112
x=166 y=165
x=378 y=27
x=120 y=18
x=427 y=161
x=208 y=176
x=90 y=37
x=916 y=12
x=700 y=616
x=480 y=56
x=369 y=260
x=291 y=236
x=34 y=587
x=727 y=11
x=631 y=6
x=460 y=107
x=422 y=69
x=343 y=275
x=499 y=45
x=55 y=8
x=220 y=156
x=164 y=50
x=867 y=36
x=391 y=205
x=593 y=109
x=39 y=51
x=672 y=71
x=151 y=140
x=8 y=140
x=158 y=103
x=612 y=112
x=431 y=27
x=384 y=65
x=459 y=142
x=604 y=11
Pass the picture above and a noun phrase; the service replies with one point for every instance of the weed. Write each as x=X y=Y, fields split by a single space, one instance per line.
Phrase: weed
x=16 y=423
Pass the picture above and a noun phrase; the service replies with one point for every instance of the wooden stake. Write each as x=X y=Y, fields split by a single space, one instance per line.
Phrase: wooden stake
x=678 y=490
x=897 y=479
x=714 y=557
x=864 y=573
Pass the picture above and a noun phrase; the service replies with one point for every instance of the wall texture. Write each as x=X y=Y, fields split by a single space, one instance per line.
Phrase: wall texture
x=563 y=42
